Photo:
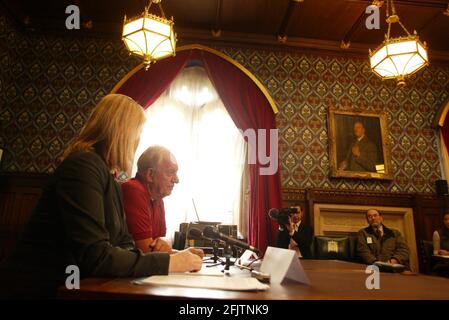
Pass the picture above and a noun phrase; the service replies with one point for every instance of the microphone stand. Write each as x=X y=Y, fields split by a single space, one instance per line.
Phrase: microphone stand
x=228 y=255
x=215 y=259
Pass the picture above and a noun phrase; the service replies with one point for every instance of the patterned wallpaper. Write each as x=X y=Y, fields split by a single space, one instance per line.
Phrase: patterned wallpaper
x=49 y=84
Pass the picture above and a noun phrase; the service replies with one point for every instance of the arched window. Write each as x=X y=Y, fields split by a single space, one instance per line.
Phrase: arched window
x=441 y=122
x=190 y=120
x=249 y=106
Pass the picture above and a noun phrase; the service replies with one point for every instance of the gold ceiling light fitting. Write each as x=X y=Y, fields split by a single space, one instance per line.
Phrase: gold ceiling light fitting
x=150 y=36
x=398 y=57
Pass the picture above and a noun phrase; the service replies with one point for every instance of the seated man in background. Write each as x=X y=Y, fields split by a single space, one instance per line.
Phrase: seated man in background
x=295 y=235
x=441 y=247
x=143 y=198
x=379 y=243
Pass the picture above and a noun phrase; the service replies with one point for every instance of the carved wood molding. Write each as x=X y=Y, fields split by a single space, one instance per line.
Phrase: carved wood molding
x=418 y=201
x=288 y=192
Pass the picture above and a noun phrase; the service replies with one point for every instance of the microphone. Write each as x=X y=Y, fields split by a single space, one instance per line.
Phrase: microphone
x=213 y=233
x=196 y=234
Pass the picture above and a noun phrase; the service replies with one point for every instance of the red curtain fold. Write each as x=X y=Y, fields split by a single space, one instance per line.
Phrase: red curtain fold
x=145 y=86
x=248 y=108
x=445 y=131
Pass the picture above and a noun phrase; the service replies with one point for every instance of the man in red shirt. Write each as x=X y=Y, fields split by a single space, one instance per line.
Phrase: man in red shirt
x=143 y=198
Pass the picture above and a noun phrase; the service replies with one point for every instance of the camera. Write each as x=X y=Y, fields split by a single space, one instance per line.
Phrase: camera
x=281 y=215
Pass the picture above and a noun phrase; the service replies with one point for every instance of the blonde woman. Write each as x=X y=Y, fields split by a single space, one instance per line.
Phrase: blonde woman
x=79 y=220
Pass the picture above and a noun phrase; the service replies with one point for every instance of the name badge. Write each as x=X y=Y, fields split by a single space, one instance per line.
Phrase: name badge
x=369 y=240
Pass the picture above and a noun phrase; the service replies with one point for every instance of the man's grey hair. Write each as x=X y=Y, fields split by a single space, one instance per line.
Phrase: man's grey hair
x=151 y=158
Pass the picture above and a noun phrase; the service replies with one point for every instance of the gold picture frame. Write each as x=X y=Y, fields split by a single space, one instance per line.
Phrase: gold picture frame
x=359 y=145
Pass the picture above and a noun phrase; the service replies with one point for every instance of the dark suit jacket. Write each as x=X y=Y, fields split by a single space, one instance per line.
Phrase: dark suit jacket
x=391 y=245
x=80 y=221
x=303 y=237
x=367 y=159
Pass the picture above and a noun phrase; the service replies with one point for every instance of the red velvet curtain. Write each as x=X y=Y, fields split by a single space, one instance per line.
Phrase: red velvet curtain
x=248 y=108
x=145 y=86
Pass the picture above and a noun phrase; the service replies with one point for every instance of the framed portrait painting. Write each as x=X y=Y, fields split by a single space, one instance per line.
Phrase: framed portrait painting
x=359 y=145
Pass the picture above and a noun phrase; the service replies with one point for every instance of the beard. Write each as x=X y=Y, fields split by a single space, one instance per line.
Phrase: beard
x=375 y=225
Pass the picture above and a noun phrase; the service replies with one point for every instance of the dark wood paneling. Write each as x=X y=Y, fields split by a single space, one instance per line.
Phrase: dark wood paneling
x=428 y=209
x=19 y=194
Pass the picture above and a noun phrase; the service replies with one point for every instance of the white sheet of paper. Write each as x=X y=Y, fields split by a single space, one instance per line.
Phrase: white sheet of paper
x=283 y=264
x=247 y=256
x=206 y=282
x=215 y=271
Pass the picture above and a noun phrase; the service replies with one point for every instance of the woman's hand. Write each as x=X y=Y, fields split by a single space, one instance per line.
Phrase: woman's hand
x=198 y=252
x=185 y=261
x=160 y=245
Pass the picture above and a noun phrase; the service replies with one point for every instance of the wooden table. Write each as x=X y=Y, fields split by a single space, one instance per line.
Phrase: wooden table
x=330 y=279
